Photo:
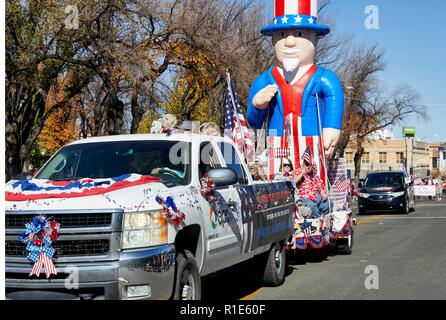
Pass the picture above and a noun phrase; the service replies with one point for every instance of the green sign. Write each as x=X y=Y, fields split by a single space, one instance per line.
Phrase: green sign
x=408 y=132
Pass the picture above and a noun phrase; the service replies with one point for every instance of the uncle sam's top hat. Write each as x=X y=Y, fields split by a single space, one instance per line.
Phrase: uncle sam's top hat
x=295 y=14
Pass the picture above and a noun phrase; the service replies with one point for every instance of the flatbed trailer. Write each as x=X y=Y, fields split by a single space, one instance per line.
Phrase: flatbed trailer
x=335 y=228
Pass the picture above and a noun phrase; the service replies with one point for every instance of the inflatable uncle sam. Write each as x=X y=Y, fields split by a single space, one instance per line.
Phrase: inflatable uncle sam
x=301 y=103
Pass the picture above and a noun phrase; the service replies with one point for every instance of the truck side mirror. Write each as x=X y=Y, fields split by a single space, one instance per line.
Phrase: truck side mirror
x=223 y=176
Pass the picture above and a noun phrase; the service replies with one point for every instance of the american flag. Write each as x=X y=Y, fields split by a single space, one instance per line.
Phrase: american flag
x=306 y=228
x=235 y=124
x=308 y=157
x=341 y=183
x=336 y=169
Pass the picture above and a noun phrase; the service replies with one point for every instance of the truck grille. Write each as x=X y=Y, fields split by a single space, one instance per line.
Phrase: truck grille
x=64 y=248
x=83 y=220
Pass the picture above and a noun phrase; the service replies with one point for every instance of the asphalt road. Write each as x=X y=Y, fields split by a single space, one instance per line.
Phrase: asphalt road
x=395 y=256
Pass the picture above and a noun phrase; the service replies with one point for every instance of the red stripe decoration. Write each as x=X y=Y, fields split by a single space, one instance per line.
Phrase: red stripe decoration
x=47 y=264
x=271 y=160
x=304 y=7
x=37 y=266
x=279 y=8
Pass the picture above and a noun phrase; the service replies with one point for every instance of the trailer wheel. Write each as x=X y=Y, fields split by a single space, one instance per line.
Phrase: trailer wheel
x=345 y=245
x=187 y=278
x=273 y=271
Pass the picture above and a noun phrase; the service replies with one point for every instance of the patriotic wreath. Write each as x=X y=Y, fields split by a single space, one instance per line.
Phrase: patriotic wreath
x=208 y=189
x=39 y=234
x=170 y=210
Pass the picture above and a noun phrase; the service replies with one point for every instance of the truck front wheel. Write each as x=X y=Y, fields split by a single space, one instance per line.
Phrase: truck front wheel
x=274 y=267
x=187 y=278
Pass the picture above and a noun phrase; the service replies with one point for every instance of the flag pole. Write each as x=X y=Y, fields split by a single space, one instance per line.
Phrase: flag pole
x=228 y=80
x=323 y=152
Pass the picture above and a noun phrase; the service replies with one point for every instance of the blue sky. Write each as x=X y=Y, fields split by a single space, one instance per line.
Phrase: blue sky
x=413 y=35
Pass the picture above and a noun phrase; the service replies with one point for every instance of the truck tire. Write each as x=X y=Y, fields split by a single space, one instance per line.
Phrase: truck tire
x=273 y=270
x=345 y=245
x=187 y=278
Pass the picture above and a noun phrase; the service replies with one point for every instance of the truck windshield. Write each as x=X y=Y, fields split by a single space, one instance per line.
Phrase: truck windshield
x=167 y=160
x=384 y=180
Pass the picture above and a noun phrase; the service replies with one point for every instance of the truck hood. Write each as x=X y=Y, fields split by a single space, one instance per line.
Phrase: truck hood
x=135 y=198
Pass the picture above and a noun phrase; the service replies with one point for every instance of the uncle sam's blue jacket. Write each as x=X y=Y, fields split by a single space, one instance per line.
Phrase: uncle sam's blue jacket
x=331 y=103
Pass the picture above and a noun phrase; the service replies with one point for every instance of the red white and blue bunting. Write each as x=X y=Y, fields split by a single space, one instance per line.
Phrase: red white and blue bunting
x=36 y=189
x=304 y=237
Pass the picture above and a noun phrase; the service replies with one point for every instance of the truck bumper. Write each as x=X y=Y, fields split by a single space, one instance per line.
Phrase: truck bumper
x=138 y=274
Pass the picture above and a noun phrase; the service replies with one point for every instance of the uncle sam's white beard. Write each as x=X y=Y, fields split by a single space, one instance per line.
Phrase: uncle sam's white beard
x=290 y=65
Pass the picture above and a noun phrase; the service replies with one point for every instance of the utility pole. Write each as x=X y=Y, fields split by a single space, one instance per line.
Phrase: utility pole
x=411 y=159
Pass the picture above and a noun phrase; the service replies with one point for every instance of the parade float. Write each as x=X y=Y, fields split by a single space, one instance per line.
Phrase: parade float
x=300 y=105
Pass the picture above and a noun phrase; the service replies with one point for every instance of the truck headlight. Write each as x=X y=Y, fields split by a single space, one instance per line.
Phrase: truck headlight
x=397 y=194
x=364 y=195
x=143 y=229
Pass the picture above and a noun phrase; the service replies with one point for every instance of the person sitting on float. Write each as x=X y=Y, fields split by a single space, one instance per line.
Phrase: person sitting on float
x=285 y=170
x=210 y=128
x=256 y=171
x=311 y=190
x=168 y=123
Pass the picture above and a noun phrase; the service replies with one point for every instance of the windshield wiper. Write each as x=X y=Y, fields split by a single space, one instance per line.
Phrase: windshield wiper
x=168 y=183
x=67 y=179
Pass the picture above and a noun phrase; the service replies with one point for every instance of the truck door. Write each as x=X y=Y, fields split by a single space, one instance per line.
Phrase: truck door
x=243 y=195
x=221 y=220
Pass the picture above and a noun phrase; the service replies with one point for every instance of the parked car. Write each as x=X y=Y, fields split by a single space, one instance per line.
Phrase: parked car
x=390 y=190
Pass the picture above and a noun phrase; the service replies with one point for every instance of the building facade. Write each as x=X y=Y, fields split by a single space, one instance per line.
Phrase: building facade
x=390 y=154
x=438 y=158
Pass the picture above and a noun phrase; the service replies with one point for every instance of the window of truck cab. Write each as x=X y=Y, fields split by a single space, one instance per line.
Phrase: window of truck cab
x=232 y=161
x=167 y=160
x=208 y=158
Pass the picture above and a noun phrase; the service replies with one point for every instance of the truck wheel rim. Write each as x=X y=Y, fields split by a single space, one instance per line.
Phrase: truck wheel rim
x=187 y=289
x=278 y=260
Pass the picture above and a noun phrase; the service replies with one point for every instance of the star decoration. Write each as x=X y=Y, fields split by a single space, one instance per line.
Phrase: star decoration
x=298 y=19
x=275 y=21
x=311 y=20
x=284 y=19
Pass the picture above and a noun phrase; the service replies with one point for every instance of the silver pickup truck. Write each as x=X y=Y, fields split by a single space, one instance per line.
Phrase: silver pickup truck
x=117 y=239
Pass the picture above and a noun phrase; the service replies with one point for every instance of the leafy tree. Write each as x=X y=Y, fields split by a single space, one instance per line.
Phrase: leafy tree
x=34 y=32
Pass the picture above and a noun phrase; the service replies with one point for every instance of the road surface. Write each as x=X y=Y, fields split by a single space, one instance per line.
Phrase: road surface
x=395 y=256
